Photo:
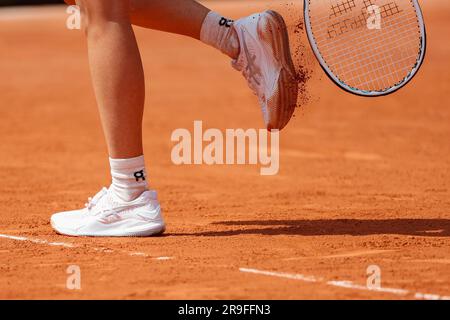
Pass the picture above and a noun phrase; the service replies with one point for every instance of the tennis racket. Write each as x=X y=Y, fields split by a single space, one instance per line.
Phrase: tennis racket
x=367 y=47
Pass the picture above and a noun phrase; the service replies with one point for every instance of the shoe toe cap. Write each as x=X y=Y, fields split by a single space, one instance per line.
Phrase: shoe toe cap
x=64 y=222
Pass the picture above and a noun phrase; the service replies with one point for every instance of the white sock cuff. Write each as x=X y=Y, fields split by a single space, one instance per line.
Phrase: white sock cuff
x=217 y=31
x=210 y=32
x=124 y=164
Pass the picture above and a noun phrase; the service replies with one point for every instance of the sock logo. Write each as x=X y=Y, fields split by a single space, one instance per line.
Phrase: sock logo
x=226 y=22
x=139 y=175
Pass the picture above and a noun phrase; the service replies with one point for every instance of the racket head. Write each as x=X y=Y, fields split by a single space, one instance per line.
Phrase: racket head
x=363 y=61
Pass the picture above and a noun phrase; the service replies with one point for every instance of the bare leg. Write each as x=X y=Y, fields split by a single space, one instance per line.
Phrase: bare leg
x=117 y=74
x=188 y=18
x=183 y=17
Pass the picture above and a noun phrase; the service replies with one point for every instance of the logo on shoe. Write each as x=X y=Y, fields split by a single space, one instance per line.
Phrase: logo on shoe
x=139 y=175
x=252 y=68
x=110 y=218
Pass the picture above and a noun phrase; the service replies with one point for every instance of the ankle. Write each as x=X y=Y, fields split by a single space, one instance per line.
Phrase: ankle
x=129 y=178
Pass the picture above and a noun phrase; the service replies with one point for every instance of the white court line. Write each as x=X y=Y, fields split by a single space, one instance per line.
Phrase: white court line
x=140 y=254
x=345 y=284
x=71 y=245
x=300 y=277
x=38 y=241
x=164 y=258
x=351 y=285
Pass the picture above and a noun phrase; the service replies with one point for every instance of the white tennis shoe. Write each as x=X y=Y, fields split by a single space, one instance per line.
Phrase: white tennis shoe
x=106 y=216
x=265 y=61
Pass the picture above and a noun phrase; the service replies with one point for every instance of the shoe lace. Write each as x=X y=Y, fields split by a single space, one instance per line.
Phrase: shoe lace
x=93 y=201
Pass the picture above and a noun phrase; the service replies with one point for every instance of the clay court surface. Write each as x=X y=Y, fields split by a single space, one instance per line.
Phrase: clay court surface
x=362 y=181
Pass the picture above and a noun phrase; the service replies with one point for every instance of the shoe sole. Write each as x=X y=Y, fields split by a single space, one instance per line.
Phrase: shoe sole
x=285 y=102
x=143 y=232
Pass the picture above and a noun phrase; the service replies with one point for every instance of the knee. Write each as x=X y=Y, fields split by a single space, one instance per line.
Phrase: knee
x=99 y=14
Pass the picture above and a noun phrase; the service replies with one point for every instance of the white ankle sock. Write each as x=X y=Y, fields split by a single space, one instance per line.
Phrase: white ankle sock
x=217 y=31
x=129 y=178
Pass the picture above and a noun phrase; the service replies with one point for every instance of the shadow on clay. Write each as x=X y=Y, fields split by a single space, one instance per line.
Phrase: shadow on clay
x=324 y=227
